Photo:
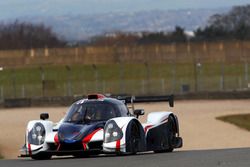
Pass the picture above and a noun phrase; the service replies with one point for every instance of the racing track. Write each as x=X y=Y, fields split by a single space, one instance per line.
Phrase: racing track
x=205 y=158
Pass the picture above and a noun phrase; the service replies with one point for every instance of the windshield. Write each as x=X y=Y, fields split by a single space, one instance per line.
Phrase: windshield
x=84 y=113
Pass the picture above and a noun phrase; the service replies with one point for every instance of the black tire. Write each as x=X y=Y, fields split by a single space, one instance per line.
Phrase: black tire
x=133 y=138
x=167 y=142
x=41 y=156
x=171 y=135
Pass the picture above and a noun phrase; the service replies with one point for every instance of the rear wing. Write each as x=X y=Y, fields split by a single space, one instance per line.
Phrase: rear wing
x=142 y=99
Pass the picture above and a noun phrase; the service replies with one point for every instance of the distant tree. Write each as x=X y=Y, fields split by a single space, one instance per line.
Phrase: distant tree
x=121 y=38
x=233 y=25
x=178 y=35
x=22 y=35
x=149 y=38
x=242 y=32
x=212 y=33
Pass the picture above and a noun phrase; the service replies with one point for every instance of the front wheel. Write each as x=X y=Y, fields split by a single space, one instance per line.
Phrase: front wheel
x=133 y=138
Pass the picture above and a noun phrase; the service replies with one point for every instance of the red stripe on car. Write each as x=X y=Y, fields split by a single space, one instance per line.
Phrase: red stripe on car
x=118 y=145
x=147 y=127
x=84 y=146
x=29 y=148
x=89 y=137
x=56 y=139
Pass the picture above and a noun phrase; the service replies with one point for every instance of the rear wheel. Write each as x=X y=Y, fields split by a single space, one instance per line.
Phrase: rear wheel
x=171 y=135
x=167 y=142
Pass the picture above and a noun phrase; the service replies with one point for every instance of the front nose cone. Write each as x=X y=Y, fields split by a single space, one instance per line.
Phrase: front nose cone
x=67 y=133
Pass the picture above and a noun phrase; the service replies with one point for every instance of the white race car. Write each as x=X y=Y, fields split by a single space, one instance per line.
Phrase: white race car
x=100 y=124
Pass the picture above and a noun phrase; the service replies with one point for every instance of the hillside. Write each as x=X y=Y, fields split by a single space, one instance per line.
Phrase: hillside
x=81 y=27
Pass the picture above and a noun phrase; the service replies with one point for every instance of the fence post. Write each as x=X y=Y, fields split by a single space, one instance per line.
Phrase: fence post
x=245 y=63
x=174 y=68
x=65 y=89
x=195 y=66
x=69 y=86
x=195 y=76
x=1 y=87
x=46 y=51
x=32 y=52
x=42 y=80
x=246 y=72
x=1 y=93
x=143 y=87
x=84 y=88
x=199 y=69
x=121 y=70
x=76 y=54
x=163 y=85
x=104 y=87
x=222 y=78
x=121 y=74
x=23 y=91
x=240 y=82
x=96 y=76
x=148 y=86
x=13 y=78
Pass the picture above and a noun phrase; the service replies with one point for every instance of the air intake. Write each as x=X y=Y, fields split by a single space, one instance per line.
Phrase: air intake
x=95 y=96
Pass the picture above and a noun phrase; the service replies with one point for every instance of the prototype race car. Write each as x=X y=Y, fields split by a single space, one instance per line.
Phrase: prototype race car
x=100 y=124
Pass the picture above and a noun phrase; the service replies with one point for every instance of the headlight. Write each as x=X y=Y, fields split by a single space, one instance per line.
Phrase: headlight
x=112 y=132
x=37 y=134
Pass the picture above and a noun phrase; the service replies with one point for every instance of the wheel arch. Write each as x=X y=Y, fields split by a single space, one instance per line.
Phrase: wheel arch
x=176 y=123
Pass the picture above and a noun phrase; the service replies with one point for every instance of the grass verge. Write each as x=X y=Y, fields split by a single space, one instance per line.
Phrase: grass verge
x=241 y=120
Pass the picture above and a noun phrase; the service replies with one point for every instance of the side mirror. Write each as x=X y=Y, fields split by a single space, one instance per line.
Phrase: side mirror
x=138 y=112
x=44 y=116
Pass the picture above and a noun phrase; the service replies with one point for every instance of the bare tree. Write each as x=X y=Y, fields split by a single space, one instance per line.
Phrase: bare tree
x=232 y=25
x=22 y=35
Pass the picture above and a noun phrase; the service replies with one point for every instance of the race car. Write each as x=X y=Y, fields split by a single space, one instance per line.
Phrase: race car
x=100 y=124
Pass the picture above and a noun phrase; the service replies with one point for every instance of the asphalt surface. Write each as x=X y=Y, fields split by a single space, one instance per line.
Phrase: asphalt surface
x=206 y=158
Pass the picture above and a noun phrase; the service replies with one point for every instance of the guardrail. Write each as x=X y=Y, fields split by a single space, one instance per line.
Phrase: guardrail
x=68 y=100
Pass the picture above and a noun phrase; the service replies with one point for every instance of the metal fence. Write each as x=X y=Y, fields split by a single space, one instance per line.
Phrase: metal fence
x=138 y=70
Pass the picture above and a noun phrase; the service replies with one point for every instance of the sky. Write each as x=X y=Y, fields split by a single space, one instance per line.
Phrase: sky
x=19 y=8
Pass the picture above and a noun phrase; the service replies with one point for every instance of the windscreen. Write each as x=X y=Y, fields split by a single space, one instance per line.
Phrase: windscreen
x=90 y=112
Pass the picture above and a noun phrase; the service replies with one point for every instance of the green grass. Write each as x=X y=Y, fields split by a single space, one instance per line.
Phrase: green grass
x=241 y=120
x=117 y=79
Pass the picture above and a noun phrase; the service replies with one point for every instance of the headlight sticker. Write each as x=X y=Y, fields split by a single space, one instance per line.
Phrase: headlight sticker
x=37 y=134
x=112 y=132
